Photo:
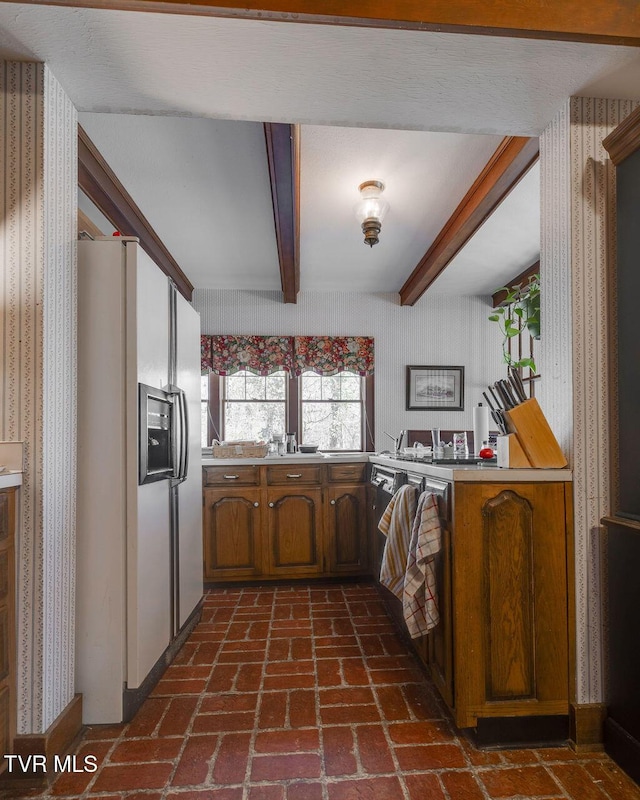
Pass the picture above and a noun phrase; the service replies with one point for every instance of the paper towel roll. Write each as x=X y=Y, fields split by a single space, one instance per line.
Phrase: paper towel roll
x=480 y=426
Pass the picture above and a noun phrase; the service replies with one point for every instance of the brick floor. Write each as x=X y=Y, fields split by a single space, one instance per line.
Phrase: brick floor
x=306 y=693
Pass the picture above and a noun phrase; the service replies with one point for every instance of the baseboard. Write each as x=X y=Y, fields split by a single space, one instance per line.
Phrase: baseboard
x=132 y=699
x=623 y=748
x=57 y=740
x=586 y=726
x=532 y=731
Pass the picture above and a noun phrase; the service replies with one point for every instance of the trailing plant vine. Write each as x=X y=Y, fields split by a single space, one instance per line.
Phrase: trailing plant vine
x=520 y=309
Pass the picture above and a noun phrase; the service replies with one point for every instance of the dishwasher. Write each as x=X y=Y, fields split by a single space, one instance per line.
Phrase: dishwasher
x=387 y=481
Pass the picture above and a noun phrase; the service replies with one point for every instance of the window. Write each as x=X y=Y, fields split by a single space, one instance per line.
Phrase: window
x=331 y=411
x=254 y=406
x=335 y=412
x=205 y=438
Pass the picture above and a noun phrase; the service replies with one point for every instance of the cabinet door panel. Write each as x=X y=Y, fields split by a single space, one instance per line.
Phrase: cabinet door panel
x=232 y=535
x=295 y=538
x=510 y=590
x=508 y=563
x=347 y=519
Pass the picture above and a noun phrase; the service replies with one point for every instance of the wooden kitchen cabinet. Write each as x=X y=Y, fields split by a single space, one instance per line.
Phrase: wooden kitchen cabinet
x=7 y=622
x=232 y=534
x=510 y=600
x=294 y=532
x=279 y=520
x=346 y=528
x=438 y=646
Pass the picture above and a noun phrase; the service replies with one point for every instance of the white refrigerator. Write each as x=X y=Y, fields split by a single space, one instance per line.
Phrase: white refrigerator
x=139 y=544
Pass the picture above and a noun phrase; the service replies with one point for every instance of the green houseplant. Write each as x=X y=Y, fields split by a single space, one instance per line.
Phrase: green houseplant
x=520 y=309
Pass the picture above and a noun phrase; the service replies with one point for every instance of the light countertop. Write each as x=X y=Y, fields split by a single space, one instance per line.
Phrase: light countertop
x=466 y=472
x=474 y=472
x=10 y=478
x=298 y=458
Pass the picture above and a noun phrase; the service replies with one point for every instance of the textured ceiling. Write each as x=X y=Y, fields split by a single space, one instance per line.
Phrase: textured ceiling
x=506 y=244
x=204 y=186
x=136 y=62
x=178 y=99
x=425 y=177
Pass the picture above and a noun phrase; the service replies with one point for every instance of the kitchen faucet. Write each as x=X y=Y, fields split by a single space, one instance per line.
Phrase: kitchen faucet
x=396 y=442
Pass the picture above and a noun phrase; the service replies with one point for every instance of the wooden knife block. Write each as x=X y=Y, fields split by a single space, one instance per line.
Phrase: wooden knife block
x=535 y=436
x=510 y=452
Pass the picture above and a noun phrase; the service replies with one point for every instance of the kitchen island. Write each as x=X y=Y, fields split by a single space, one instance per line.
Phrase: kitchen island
x=501 y=654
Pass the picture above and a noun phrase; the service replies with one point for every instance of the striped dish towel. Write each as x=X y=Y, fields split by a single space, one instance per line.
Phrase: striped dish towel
x=419 y=598
x=396 y=524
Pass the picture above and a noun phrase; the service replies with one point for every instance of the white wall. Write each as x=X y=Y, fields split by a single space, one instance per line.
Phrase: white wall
x=438 y=330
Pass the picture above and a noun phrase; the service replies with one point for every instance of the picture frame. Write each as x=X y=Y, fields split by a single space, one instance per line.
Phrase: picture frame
x=435 y=388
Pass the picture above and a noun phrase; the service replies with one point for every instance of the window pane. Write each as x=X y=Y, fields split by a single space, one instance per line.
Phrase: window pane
x=331 y=387
x=276 y=386
x=253 y=420
x=255 y=387
x=204 y=387
x=234 y=386
x=333 y=426
x=351 y=385
x=203 y=425
x=311 y=386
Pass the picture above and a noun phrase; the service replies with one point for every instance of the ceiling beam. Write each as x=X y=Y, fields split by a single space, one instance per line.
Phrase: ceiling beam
x=513 y=158
x=625 y=139
x=283 y=155
x=499 y=298
x=99 y=182
x=616 y=22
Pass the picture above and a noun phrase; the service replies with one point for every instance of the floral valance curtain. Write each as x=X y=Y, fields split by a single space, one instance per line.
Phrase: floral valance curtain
x=263 y=355
x=328 y=355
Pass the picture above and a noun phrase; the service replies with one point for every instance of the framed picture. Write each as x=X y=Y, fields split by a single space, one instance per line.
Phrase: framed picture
x=435 y=388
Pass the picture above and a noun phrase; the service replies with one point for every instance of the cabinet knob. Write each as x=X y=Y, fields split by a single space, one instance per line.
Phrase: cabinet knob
x=270 y=505
x=295 y=475
x=231 y=477
x=256 y=504
x=333 y=502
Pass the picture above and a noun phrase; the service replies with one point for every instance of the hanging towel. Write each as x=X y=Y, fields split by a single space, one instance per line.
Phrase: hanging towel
x=419 y=598
x=396 y=525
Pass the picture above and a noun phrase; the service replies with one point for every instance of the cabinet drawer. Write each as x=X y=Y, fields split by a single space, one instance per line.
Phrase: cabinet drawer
x=347 y=473
x=292 y=474
x=231 y=476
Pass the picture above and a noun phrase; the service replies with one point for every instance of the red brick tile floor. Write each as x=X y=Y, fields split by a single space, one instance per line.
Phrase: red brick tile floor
x=307 y=693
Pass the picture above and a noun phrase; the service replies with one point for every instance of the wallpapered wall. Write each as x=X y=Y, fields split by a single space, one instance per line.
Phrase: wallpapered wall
x=577 y=263
x=438 y=330
x=37 y=393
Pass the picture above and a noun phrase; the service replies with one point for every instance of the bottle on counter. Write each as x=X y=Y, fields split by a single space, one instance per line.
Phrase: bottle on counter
x=292 y=446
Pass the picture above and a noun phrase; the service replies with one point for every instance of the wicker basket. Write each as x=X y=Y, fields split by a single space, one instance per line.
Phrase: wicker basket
x=239 y=450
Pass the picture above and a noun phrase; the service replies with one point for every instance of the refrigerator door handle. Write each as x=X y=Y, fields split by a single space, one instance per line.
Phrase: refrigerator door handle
x=180 y=434
x=183 y=463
